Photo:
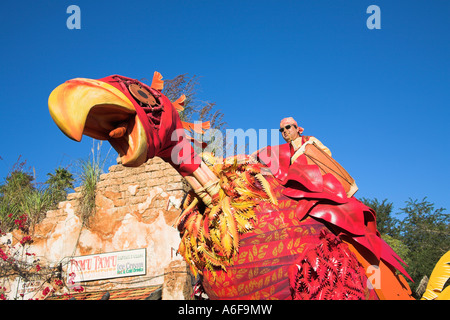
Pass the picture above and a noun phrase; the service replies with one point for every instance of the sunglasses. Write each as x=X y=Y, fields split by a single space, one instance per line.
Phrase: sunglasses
x=287 y=127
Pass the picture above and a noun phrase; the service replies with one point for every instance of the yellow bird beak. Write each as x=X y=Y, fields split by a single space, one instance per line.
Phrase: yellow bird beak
x=95 y=108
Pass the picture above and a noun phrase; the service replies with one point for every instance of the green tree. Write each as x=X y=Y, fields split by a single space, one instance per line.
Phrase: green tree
x=21 y=195
x=17 y=185
x=398 y=246
x=59 y=183
x=89 y=175
x=386 y=223
x=35 y=205
x=426 y=232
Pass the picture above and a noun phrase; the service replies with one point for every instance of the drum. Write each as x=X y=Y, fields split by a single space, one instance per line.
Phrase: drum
x=315 y=155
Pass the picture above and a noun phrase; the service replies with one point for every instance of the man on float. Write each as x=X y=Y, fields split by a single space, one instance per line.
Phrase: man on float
x=292 y=134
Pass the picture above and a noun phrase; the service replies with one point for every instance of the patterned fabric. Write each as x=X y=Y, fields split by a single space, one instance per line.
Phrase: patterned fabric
x=268 y=252
x=329 y=271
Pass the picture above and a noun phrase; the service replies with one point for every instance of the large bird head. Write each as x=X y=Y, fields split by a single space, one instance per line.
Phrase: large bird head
x=138 y=120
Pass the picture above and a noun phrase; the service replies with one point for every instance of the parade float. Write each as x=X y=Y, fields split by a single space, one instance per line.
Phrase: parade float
x=271 y=225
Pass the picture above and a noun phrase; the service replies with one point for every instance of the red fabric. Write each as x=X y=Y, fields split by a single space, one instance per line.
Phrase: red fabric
x=269 y=254
x=324 y=198
x=261 y=269
x=159 y=136
x=277 y=159
x=329 y=271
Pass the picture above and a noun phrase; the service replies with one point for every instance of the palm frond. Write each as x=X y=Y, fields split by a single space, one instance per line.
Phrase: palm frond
x=210 y=236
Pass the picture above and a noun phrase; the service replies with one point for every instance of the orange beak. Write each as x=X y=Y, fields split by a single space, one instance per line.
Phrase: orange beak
x=94 y=108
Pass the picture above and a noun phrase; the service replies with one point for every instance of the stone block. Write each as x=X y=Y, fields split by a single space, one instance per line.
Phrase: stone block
x=177 y=282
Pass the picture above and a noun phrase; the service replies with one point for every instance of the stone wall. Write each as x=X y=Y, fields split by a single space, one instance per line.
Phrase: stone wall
x=135 y=208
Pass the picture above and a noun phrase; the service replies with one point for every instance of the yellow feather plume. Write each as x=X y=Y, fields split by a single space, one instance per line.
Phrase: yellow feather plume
x=210 y=235
x=438 y=278
x=444 y=295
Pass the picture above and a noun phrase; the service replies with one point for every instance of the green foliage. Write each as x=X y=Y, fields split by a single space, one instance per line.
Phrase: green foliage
x=13 y=194
x=90 y=171
x=420 y=238
x=59 y=183
x=426 y=232
x=399 y=247
x=21 y=195
x=35 y=204
x=386 y=223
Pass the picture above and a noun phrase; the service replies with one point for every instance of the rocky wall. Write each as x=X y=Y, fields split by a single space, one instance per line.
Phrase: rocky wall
x=135 y=208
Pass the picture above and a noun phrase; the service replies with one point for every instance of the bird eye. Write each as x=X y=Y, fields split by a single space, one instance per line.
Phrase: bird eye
x=142 y=94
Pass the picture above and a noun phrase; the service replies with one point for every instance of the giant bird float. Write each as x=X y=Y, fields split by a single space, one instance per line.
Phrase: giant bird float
x=253 y=227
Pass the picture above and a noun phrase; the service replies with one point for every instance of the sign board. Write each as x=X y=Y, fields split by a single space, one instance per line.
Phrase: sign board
x=25 y=290
x=107 y=265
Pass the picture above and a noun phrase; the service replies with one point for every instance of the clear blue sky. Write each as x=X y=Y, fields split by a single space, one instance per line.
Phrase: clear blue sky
x=379 y=99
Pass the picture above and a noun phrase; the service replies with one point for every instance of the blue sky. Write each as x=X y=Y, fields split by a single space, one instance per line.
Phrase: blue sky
x=379 y=99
